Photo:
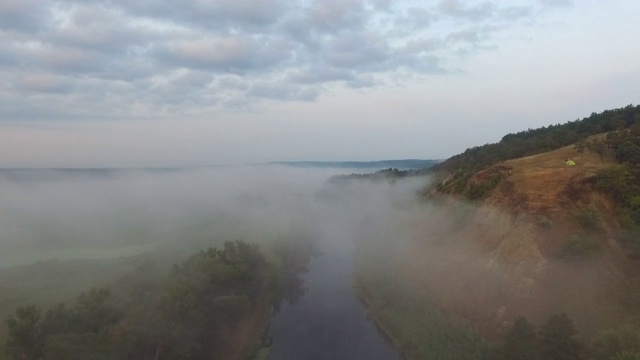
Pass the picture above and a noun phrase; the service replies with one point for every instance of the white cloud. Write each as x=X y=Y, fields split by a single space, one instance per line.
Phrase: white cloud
x=355 y=43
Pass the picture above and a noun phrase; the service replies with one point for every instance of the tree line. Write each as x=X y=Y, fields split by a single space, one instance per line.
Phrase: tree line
x=194 y=313
x=555 y=340
x=622 y=122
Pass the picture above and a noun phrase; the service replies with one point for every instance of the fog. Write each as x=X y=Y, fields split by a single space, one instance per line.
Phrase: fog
x=484 y=264
x=102 y=213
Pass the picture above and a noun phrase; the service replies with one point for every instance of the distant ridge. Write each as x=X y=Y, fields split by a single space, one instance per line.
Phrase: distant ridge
x=405 y=164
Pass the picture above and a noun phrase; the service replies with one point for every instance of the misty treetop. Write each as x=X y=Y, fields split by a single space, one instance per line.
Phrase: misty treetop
x=205 y=301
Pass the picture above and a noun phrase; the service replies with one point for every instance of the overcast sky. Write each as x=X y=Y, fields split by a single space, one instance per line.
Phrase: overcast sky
x=97 y=83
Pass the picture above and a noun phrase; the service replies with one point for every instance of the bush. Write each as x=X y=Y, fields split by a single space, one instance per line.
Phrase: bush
x=617 y=181
x=521 y=342
x=627 y=356
x=628 y=152
x=557 y=340
x=480 y=189
x=625 y=217
x=579 y=246
x=589 y=217
x=610 y=344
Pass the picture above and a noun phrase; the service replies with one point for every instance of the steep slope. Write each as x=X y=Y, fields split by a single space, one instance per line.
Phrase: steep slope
x=538 y=240
x=508 y=230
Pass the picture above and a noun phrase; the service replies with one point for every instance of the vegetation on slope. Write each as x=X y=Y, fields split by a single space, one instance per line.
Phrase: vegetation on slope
x=535 y=141
x=622 y=181
x=215 y=304
x=417 y=328
x=412 y=322
x=556 y=340
x=538 y=211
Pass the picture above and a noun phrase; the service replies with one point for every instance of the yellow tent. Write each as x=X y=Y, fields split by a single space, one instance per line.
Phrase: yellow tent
x=570 y=162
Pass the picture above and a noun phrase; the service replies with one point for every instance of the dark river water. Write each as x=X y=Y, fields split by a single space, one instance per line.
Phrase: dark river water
x=328 y=322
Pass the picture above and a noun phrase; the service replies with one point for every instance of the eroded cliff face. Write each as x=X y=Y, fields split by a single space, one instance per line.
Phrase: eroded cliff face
x=540 y=241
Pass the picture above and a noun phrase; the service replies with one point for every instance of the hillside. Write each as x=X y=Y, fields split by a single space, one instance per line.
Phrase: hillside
x=507 y=236
x=547 y=138
x=543 y=190
x=544 y=241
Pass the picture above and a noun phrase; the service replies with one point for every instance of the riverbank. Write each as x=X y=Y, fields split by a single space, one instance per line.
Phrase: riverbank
x=402 y=310
x=416 y=329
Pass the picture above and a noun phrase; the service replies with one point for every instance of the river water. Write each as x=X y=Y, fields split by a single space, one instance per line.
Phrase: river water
x=328 y=322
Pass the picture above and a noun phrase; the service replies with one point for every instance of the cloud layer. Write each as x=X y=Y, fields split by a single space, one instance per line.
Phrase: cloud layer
x=115 y=58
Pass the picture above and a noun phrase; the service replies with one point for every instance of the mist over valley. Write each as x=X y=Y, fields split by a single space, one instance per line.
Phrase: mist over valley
x=319 y=180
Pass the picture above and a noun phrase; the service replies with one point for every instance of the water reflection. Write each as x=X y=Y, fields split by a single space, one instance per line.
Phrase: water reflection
x=328 y=322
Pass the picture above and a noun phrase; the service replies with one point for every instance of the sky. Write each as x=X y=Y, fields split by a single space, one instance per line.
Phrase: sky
x=118 y=83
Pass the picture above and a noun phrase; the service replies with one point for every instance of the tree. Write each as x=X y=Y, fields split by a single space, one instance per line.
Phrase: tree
x=627 y=356
x=521 y=342
x=613 y=342
x=616 y=180
x=25 y=340
x=597 y=146
x=74 y=346
x=628 y=151
x=556 y=339
x=580 y=146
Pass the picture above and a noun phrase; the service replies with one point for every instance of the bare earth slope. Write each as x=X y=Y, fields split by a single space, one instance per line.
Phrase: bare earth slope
x=541 y=242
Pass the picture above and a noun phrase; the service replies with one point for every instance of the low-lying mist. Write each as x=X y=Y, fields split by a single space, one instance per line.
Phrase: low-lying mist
x=107 y=213
x=482 y=262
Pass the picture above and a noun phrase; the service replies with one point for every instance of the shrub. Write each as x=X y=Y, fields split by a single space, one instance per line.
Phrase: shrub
x=480 y=189
x=613 y=342
x=589 y=217
x=557 y=340
x=579 y=246
x=616 y=180
x=627 y=356
x=625 y=217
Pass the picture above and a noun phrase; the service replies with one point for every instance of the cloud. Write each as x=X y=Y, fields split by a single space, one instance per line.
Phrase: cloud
x=234 y=54
x=556 y=3
x=218 y=16
x=46 y=83
x=516 y=12
x=319 y=75
x=23 y=15
x=283 y=91
x=168 y=56
x=456 y=8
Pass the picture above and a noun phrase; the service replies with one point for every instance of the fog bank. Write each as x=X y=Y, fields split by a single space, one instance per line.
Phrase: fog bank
x=106 y=213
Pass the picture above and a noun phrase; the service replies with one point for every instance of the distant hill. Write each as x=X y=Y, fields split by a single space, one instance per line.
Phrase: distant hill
x=405 y=164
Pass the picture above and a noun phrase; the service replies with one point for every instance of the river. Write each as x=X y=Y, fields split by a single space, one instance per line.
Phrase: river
x=328 y=322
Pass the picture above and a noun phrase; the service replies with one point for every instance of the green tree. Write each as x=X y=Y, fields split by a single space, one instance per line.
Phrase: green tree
x=556 y=339
x=74 y=346
x=580 y=146
x=610 y=343
x=628 y=152
x=597 y=146
x=93 y=313
x=521 y=342
x=25 y=340
x=616 y=180
x=627 y=356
